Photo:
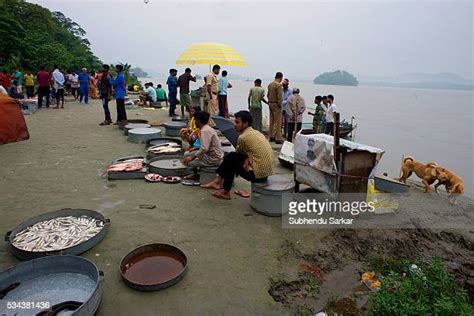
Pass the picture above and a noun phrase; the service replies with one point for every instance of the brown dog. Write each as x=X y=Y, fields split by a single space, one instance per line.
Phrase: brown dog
x=426 y=172
x=454 y=184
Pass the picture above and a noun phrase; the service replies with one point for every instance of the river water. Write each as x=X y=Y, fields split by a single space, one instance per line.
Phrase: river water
x=430 y=125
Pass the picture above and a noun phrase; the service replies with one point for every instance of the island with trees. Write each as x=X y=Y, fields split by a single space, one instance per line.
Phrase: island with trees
x=338 y=77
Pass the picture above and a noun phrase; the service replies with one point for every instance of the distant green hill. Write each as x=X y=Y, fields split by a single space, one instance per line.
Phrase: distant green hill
x=137 y=71
x=338 y=77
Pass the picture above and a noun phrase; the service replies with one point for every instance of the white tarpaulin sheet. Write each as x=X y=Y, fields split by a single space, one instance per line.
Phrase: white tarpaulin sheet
x=317 y=151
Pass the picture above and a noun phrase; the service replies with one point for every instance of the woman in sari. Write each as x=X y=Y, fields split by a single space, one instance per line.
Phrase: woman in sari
x=191 y=133
x=93 y=85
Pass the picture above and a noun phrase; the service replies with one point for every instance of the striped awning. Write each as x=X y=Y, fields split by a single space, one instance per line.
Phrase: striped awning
x=207 y=53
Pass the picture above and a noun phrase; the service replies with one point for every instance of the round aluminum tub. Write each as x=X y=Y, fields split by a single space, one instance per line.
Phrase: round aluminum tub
x=132 y=126
x=169 y=166
x=153 y=267
x=172 y=128
x=141 y=135
x=122 y=126
x=44 y=282
x=74 y=250
x=266 y=197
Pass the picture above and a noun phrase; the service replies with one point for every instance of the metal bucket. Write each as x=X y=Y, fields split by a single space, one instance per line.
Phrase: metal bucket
x=153 y=267
x=74 y=250
x=134 y=125
x=163 y=165
x=141 y=135
x=266 y=197
x=173 y=128
x=45 y=282
x=207 y=174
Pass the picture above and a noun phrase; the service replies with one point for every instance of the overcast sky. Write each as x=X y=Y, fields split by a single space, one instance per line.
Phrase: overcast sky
x=379 y=38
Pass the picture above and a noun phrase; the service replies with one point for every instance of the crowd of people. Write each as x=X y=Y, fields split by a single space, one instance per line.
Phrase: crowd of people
x=81 y=84
x=252 y=159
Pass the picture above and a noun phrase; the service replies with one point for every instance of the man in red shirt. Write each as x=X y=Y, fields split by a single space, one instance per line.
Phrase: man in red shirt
x=6 y=79
x=44 y=80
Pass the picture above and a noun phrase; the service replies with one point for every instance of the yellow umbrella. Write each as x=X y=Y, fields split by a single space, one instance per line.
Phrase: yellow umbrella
x=207 y=53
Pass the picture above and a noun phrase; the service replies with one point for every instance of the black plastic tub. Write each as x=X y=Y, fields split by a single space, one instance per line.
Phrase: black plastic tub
x=45 y=282
x=128 y=175
x=74 y=250
x=153 y=267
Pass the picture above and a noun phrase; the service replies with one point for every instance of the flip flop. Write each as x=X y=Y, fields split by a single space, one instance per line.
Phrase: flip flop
x=219 y=195
x=153 y=177
x=242 y=193
x=171 y=179
x=190 y=182
x=192 y=177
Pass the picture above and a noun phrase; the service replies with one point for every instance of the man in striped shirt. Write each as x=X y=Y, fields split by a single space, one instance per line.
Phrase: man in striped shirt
x=252 y=159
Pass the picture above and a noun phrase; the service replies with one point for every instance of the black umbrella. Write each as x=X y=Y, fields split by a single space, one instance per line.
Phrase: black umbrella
x=227 y=129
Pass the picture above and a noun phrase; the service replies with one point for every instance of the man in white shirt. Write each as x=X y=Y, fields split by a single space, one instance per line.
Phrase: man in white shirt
x=149 y=95
x=330 y=115
x=74 y=80
x=58 y=85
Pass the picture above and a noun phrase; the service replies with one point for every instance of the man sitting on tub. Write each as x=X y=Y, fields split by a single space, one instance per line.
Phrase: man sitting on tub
x=252 y=159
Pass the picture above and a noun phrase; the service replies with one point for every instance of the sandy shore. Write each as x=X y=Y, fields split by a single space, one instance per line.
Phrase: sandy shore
x=232 y=251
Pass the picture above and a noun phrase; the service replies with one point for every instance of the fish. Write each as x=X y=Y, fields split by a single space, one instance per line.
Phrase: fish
x=169 y=144
x=163 y=150
x=57 y=233
x=132 y=165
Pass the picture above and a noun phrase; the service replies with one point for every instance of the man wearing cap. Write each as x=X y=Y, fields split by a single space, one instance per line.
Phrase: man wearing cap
x=212 y=88
x=295 y=109
x=84 y=80
x=275 y=104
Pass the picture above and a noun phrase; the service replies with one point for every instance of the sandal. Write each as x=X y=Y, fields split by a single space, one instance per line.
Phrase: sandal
x=218 y=194
x=242 y=193
x=195 y=177
x=104 y=123
x=190 y=182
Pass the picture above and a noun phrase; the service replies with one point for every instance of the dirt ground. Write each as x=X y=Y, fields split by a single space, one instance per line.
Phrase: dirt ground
x=240 y=262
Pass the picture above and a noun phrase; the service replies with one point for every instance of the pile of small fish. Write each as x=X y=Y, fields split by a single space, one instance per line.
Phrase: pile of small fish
x=165 y=148
x=57 y=233
x=126 y=165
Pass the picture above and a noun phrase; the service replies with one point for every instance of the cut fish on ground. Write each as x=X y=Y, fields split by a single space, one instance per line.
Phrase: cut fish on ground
x=57 y=233
x=133 y=165
x=163 y=150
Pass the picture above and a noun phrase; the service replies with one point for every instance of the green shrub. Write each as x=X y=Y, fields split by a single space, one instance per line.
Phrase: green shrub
x=427 y=290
